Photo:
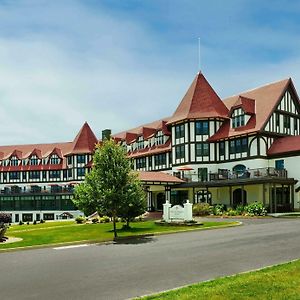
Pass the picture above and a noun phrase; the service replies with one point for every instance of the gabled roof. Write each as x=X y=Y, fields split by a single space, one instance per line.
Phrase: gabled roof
x=85 y=140
x=157 y=149
x=266 y=99
x=200 y=101
x=285 y=145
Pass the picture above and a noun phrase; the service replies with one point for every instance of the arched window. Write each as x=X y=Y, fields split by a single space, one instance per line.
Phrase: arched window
x=239 y=170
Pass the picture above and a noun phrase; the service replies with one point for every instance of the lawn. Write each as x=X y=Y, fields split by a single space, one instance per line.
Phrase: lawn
x=68 y=232
x=279 y=282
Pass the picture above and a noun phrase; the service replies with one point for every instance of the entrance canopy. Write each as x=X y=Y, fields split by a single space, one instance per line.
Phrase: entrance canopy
x=158 y=178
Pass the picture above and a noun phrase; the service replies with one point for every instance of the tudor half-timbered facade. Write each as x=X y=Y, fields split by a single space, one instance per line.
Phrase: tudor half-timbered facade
x=232 y=151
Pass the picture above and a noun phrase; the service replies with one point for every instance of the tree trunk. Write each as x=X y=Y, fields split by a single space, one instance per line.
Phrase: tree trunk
x=127 y=222
x=115 y=228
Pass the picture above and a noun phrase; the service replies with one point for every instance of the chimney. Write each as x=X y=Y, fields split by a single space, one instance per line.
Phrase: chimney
x=106 y=134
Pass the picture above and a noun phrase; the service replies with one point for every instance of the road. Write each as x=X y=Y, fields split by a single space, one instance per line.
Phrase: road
x=148 y=265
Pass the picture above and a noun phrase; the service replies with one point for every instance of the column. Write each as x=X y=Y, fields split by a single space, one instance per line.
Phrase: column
x=168 y=193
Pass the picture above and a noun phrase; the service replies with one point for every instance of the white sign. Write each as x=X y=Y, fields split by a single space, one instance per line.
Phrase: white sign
x=177 y=212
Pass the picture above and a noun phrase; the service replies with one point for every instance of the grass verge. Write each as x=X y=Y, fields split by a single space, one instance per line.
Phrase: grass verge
x=278 y=282
x=52 y=233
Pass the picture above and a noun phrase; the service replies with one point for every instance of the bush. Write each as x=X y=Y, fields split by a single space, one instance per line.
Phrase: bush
x=232 y=212
x=256 y=209
x=201 y=209
x=104 y=219
x=21 y=223
x=42 y=221
x=34 y=222
x=80 y=220
x=218 y=209
x=240 y=209
x=5 y=218
x=27 y=223
x=95 y=220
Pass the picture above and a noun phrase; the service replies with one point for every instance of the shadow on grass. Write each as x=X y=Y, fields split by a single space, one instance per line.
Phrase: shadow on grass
x=134 y=240
x=129 y=230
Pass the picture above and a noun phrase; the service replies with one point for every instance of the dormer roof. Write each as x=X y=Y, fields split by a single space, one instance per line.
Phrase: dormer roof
x=200 y=101
x=247 y=105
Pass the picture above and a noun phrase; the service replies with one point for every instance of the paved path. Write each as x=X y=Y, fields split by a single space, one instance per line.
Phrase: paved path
x=121 y=271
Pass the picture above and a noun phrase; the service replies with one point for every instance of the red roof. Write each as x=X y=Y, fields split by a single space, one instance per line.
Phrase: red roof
x=266 y=99
x=200 y=101
x=285 y=145
x=247 y=104
x=85 y=140
x=158 y=177
x=83 y=143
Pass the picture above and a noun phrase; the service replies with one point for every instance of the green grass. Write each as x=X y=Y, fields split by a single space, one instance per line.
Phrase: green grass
x=278 y=282
x=68 y=232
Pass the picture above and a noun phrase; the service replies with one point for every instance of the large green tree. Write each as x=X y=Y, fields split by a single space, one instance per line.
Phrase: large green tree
x=110 y=186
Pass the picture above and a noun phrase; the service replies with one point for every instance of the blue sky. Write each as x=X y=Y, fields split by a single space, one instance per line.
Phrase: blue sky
x=119 y=64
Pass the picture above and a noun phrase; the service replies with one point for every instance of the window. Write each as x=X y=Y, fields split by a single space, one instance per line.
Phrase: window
x=33 y=161
x=160 y=159
x=238 y=145
x=44 y=174
x=80 y=171
x=81 y=159
x=14 y=161
x=179 y=152
x=295 y=124
x=179 y=131
x=159 y=138
x=202 y=127
x=54 y=160
x=69 y=172
x=238 y=119
x=34 y=175
x=140 y=143
x=69 y=160
x=279 y=164
x=54 y=174
x=202 y=149
x=222 y=148
x=277 y=119
x=141 y=162
x=14 y=175
x=286 y=122
x=202 y=174
x=48 y=216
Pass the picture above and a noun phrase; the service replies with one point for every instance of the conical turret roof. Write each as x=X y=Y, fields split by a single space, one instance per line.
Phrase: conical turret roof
x=85 y=140
x=200 y=101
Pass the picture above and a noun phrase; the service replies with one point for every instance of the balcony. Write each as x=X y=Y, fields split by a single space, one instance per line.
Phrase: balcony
x=225 y=174
x=35 y=189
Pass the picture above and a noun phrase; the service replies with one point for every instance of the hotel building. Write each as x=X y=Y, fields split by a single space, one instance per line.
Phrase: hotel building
x=234 y=151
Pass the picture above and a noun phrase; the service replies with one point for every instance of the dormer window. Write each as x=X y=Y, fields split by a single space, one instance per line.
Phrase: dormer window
x=14 y=161
x=179 y=131
x=140 y=143
x=33 y=161
x=54 y=160
x=159 y=138
x=238 y=118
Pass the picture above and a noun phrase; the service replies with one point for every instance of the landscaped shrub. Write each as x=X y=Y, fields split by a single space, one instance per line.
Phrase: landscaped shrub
x=201 y=209
x=5 y=218
x=218 y=209
x=21 y=223
x=104 y=219
x=42 y=221
x=95 y=220
x=232 y=212
x=80 y=220
x=256 y=209
x=34 y=222
x=27 y=223
x=240 y=210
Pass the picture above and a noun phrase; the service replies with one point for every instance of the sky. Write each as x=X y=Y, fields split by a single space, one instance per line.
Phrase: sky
x=120 y=64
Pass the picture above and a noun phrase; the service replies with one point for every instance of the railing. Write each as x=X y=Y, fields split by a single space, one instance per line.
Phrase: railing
x=19 y=190
x=225 y=174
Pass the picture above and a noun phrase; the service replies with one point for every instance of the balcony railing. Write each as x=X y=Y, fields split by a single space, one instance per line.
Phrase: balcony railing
x=225 y=174
x=38 y=190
